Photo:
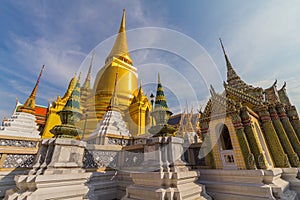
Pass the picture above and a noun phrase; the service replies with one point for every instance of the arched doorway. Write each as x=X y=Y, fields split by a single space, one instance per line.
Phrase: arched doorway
x=225 y=147
x=225 y=138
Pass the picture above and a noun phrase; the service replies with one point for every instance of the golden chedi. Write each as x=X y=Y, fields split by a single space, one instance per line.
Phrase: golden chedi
x=118 y=61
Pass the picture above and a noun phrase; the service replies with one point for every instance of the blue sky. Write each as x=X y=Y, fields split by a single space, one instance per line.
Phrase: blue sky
x=261 y=39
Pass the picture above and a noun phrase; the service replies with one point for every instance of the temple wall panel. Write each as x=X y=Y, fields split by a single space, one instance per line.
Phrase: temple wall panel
x=238 y=156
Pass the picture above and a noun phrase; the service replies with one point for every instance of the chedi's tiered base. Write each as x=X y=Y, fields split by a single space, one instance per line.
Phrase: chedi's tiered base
x=57 y=173
x=168 y=177
x=20 y=124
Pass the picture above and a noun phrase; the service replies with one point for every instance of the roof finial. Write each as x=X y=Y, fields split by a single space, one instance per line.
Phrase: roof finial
x=275 y=83
x=222 y=46
x=284 y=85
x=229 y=67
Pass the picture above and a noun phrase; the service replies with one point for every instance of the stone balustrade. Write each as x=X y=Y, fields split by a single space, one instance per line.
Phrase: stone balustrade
x=111 y=166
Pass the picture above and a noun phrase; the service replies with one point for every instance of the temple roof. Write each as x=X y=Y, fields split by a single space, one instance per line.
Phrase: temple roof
x=218 y=105
x=120 y=48
x=242 y=96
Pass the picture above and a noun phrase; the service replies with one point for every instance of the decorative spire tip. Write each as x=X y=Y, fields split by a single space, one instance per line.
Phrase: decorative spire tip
x=222 y=46
x=123 y=22
x=158 y=77
x=79 y=77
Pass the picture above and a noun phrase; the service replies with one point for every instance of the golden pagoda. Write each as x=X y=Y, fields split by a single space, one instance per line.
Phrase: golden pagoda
x=118 y=61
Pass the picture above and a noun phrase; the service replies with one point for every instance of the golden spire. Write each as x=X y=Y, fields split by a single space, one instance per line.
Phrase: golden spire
x=29 y=105
x=87 y=83
x=120 y=48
